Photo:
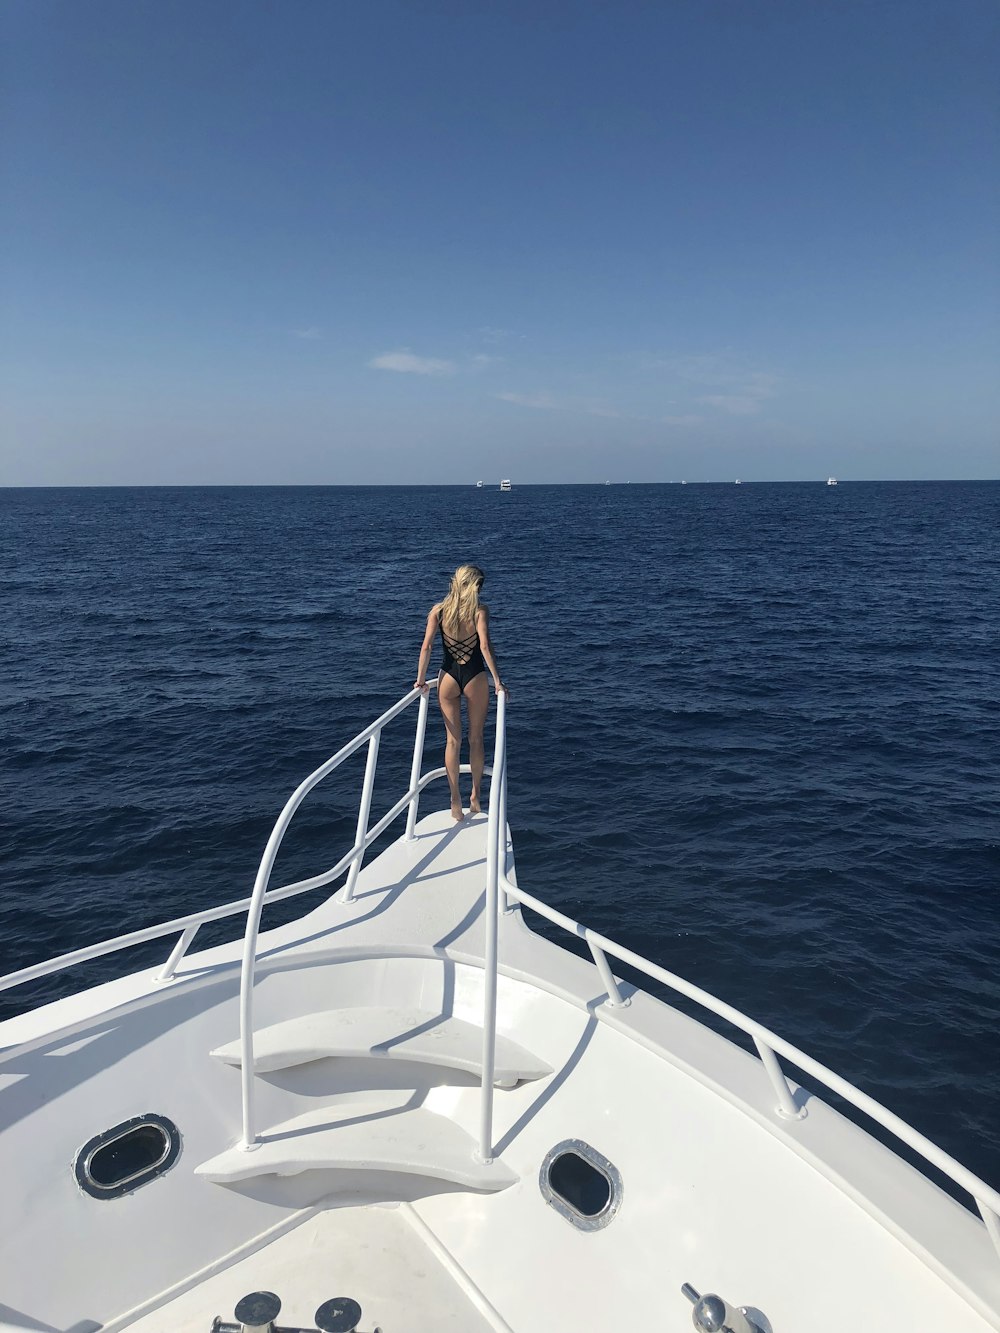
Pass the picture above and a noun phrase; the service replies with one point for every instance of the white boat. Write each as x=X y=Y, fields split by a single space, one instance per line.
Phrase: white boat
x=505 y=485
x=831 y=481
x=738 y=482
x=479 y=485
x=406 y=1111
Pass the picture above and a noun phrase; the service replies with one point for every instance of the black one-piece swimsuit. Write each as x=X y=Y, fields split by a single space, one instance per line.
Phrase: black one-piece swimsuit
x=463 y=658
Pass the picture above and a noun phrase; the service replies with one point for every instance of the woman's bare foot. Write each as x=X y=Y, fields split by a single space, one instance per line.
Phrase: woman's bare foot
x=474 y=806
x=457 y=812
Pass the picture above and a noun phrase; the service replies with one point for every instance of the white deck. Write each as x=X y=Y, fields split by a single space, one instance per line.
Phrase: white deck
x=811 y=1221
x=377 y=1255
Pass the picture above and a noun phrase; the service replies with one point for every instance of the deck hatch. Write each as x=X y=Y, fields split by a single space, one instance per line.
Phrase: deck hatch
x=123 y=1158
x=581 y=1184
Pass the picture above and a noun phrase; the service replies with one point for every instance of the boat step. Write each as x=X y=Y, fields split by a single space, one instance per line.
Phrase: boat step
x=363 y=1137
x=385 y=1033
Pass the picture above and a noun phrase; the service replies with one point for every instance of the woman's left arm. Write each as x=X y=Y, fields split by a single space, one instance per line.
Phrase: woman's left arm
x=486 y=644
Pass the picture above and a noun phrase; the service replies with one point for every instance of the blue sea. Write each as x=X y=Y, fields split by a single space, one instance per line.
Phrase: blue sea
x=754 y=733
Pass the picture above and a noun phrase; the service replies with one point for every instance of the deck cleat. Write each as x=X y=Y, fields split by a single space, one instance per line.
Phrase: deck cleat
x=254 y=1313
x=712 y=1314
x=339 y=1315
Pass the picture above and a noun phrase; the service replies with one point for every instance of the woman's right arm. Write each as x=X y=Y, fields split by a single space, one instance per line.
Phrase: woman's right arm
x=425 y=649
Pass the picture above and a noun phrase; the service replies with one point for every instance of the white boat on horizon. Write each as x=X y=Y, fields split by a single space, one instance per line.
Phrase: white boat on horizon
x=479 y=485
x=831 y=481
x=406 y=1110
x=505 y=485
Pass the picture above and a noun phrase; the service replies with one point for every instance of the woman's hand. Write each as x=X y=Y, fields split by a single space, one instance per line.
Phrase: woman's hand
x=498 y=685
x=421 y=685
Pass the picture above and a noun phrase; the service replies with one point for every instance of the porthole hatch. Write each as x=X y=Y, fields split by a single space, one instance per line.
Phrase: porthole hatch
x=581 y=1184
x=129 y=1155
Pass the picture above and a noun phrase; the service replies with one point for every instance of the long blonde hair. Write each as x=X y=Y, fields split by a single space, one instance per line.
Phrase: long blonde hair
x=461 y=606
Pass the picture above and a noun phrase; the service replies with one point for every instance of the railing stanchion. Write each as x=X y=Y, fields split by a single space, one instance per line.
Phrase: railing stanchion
x=992 y=1223
x=495 y=834
x=247 y=1072
x=418 y=756
x=615 y=997
x=786 y=1102
x=179 y=950
x=502 y=853
x=363 y=813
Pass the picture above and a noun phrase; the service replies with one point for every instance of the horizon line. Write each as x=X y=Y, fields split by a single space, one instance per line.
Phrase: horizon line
x=469 y=485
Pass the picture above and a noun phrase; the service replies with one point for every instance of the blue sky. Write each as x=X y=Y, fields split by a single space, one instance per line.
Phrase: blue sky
x=342 y=241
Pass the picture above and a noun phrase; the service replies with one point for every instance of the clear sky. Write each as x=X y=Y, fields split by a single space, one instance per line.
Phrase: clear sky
x=339 y=241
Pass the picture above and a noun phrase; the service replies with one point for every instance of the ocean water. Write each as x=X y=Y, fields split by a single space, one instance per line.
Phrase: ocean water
x=754 y=733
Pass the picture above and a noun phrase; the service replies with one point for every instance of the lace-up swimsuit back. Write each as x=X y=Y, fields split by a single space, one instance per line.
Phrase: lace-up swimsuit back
x=463 y=658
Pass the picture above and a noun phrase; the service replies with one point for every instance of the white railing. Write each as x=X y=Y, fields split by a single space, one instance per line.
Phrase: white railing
x=187 y=927
x=496 y=860
x=351 y=862
x=769 y=1045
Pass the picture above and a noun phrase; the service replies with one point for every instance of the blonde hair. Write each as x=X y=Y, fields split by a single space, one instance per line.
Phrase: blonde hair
x=461 y=606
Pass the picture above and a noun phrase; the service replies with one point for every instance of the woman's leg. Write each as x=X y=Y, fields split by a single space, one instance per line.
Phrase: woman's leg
x=477 y=698
x=450 y=699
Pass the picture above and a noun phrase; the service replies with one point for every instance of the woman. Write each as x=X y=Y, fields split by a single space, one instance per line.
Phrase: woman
x=464 y=623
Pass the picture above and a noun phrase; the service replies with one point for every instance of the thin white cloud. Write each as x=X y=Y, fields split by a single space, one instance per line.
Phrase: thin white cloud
x=739 y=391
x=490 y=334
x=311 y=334
x=406 y=363
x=735 y=404
x=550 y=403
x=540 y=400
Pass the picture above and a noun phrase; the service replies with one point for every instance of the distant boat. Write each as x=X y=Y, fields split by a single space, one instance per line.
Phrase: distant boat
x=607 y=483
x=831 y=481
x=479 y=485
x=738 y=482
x=505 y=485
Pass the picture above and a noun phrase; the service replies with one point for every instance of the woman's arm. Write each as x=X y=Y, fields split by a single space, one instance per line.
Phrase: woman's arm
x=486 y=644
x=425 y=648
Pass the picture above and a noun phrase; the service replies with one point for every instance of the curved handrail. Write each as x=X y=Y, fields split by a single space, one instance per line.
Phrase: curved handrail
x=769 y=1045
x=364 y=838
x=187 y=926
